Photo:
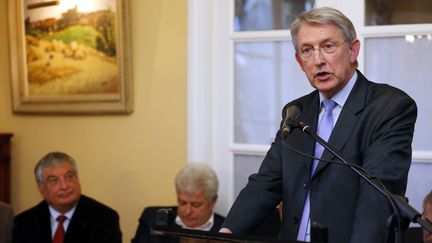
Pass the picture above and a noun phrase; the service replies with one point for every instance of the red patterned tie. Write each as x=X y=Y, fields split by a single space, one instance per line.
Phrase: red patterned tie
x=59 y=234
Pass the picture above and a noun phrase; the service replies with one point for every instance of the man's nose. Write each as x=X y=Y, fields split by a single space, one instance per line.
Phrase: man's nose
x=188 y=209
x=318 y=56
x=63 y=183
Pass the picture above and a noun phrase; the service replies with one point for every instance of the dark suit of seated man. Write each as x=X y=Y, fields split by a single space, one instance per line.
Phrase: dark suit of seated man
x=86 y=220
x=196 y=188
x=148 y=220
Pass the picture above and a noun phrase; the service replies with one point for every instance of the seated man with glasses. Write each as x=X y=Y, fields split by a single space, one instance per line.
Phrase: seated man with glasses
x=65 y=215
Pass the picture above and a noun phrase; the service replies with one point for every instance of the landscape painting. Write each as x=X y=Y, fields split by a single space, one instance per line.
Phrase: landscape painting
x=73 y=55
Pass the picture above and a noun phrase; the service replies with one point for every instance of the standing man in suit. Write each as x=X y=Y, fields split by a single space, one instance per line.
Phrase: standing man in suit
x=371 y=124
x=6 y=222
x=427 y=215
x=196 y=188
x=65 y=215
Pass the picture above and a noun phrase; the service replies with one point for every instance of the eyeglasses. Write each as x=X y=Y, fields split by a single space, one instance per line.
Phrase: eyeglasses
x=327 y=48
x=55 y=180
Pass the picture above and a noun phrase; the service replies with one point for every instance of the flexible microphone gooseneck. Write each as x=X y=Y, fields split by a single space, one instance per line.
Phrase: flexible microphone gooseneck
x=324 y=160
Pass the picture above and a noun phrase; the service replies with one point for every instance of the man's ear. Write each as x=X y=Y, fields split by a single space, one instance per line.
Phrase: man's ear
x=354 y=50
x=299 y=60
x=41 y=189
x=214 y=200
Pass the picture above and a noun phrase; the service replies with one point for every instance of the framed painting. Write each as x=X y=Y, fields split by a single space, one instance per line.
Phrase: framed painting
x=70 y=57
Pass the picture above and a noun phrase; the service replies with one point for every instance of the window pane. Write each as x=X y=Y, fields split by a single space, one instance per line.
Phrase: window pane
x=266 y=77
x=244 y=166
x=391 y=12
x=268 y=14
x=419 y=181
x=389 y=60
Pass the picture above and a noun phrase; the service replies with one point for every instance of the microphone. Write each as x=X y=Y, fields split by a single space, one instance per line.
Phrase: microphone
x=164 y=217
x=293 y=111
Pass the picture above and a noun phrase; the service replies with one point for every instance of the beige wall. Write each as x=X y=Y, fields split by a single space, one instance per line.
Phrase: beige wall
x=125 y=161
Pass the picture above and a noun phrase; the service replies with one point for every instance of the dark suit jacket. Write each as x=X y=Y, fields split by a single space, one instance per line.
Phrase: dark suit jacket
x=92 y=222
x=413 y=235
x=374 y=130
x=148 y=219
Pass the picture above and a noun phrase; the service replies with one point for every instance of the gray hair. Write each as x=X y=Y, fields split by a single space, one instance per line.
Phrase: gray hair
x=195 y=177
x=427 y=199
x=324 y=15
x=53 y=159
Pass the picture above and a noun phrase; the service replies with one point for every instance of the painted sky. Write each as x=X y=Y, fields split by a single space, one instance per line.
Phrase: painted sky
x=84 y=6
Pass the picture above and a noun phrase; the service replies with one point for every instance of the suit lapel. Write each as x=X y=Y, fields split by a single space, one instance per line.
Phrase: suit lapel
x=44 y=233
x=76 y=231
x=347 y=119
x=310 y=118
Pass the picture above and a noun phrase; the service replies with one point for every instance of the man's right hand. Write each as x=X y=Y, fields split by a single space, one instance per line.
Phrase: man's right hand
x=225 y=230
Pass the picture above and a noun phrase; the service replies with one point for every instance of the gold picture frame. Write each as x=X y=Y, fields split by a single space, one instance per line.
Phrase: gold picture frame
x=70 y=57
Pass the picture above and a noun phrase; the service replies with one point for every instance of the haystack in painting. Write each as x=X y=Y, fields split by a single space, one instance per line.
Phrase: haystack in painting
x=74 y=54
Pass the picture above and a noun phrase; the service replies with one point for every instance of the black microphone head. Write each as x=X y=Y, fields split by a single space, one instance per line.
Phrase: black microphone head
x=293 y=112
x=164 y=217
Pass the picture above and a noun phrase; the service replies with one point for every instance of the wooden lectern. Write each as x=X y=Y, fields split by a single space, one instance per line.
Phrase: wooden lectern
x=173 y=235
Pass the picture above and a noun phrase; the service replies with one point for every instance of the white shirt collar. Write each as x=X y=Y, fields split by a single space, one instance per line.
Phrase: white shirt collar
x=205 y=227
x=53 y=218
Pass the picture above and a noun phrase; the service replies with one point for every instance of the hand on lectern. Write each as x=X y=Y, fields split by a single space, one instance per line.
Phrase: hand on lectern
x=225 y=230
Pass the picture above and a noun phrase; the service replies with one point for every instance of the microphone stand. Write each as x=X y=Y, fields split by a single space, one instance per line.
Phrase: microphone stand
x=400 y=207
